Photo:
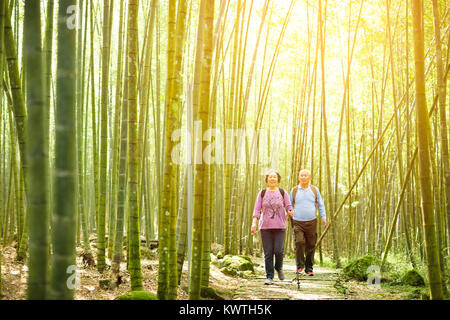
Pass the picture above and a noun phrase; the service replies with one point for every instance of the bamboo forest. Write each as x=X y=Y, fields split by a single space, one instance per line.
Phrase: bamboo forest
x=140 y=141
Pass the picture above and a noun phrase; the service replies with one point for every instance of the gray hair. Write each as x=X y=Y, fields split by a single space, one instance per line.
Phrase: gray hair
x=306 y=170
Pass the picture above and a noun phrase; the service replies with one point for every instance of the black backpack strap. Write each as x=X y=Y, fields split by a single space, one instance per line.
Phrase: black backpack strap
x=314 y=190
x=294 y=193
x=263 y=192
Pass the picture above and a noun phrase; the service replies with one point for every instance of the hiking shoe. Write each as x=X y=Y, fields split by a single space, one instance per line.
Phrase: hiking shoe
x=268 y=281
x=310 y=273
x=300 y=270
x=281 y=275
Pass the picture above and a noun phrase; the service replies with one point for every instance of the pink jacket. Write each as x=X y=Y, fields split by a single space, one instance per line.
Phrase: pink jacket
x=272 y=207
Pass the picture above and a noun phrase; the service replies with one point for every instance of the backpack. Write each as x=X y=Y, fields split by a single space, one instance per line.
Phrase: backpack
x=314 y=190
x=263 y=192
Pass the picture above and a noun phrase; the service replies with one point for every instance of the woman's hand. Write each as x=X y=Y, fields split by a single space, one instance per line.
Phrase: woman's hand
x=291 y=213
x=254 y=226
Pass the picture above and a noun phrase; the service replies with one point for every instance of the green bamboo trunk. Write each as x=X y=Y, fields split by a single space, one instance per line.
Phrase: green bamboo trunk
x=94 y=116
x=122 y=188
x=11 y=208
x=82 y=207
x=325 y=134
x=48 y=48
x=62 y=284
x=182 y=229
x=201 y=236
x=22 y=219
x=145 y=174
x=423 y=128
x=16 y=87
x=18 y=108
x=37 y=151
x=134 y=259
x=157 y=120
x=101 y=227
x=116 y=136
x=110 y=199
x=230 y=125
x=164 y=210
x=198 y=192
x=144 y=90
x=175 y=105
x=2 y=212
x=167 y=276
x=443 y=132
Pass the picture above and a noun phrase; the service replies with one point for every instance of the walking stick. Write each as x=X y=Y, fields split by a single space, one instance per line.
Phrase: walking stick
x=297 y=274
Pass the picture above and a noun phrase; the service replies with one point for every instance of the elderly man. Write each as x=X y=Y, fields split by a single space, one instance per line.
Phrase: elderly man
x=305 y=198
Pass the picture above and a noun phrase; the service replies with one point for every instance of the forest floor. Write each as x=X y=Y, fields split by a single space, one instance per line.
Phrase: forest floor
x=324 y=285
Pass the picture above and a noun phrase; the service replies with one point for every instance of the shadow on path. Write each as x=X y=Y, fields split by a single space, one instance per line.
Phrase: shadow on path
x=317 y=287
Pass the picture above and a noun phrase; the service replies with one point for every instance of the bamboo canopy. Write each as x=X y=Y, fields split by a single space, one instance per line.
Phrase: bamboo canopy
x=136 y=136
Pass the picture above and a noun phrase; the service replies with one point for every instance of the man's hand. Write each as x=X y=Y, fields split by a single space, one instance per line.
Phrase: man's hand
x=324 y=223
x=291 y=213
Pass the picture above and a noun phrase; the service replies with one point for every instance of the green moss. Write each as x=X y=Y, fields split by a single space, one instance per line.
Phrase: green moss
x=137 y=295
x=233 y=264
x=340 y=287
x=245 y=258
x=327 y=261
x=393 y=278
x=229 y=271
x=146 y=253
x=413 y=278
x=105 y=283
x=248 y=274
x=417 y=294
x=210 y=293
x=358 y=268
x=216 y=248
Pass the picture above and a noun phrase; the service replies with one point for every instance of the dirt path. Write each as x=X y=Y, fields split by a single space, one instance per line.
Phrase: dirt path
x=318 y=287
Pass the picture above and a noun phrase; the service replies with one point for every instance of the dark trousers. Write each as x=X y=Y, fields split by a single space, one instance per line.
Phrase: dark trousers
x=273 y=245
x=305 y=233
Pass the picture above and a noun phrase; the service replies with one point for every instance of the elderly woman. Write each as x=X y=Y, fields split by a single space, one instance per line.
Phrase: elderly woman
x=271 y=206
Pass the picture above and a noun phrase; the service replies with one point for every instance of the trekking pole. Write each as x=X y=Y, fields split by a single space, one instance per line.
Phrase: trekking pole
x=297 y=274
x=297 y=278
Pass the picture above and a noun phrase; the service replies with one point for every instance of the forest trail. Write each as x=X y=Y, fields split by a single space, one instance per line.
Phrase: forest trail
x=321 y=286
x=139 y=120
x=317 y=287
